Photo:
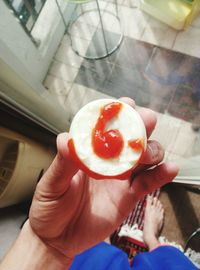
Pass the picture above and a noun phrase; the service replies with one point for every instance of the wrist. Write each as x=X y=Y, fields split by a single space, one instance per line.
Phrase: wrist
x=30 y=252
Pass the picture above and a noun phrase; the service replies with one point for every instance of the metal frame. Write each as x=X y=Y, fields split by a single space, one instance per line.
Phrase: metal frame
x=195 y=233
x=107 y=50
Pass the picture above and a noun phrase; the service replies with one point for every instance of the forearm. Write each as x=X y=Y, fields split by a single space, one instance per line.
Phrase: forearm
x=30 y=252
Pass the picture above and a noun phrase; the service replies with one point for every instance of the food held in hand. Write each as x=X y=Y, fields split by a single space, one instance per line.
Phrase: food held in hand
x=108 y=139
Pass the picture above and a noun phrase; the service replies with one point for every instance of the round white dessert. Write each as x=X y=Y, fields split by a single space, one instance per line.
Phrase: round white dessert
x=129 y=124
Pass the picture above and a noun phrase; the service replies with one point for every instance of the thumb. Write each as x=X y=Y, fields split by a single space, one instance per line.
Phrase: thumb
x=58 y=177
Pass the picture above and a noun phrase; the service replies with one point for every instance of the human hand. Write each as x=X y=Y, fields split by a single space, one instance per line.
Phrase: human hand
x=72 y=212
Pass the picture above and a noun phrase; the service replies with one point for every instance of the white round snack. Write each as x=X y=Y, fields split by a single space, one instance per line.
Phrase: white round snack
x=128 y=122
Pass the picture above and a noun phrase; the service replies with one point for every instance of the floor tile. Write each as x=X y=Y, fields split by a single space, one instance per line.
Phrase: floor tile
x=128 y=78
x=57 y=85
x=93 y=73
x=63 y=71
x=82 y=30
x=112 y=24
x=131 y=3
x=89 y=13
x=158 y=33
x=133 y=21
x=134 y=54
x=79 y=96
x=102 y=68
x=182 y=108
x=66 y=54
x=103 y=43
x=157 y=103
x=178 y=80
x=110 y=19
x=118 y=89
x=188 y=42
x=89 y=78
x=184 y=103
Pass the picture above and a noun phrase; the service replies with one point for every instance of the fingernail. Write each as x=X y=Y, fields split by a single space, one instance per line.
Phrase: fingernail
x=154 y=153
x=154 y=150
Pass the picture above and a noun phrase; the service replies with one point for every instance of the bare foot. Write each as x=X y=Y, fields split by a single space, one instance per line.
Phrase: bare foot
x=153 y=221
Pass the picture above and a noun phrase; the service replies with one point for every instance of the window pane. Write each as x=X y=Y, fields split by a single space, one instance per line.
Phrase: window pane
x=27 y=11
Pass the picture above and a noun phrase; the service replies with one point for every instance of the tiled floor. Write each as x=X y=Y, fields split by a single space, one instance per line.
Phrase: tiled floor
x=158 y=78
x=155 y=65
x=138 y=64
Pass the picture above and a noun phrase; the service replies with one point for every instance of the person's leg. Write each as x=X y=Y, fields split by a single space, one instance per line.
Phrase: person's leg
x=153 y=221
x=159 y=257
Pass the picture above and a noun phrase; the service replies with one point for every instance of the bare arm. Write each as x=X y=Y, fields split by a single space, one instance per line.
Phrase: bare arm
x=29 y=252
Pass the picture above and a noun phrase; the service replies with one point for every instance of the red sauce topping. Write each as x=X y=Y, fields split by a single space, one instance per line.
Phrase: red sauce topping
x=137 y=145
x=84 y=168
x=107 y=144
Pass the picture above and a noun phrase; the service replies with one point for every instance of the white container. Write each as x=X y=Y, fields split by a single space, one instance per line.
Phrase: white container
x=175 y=13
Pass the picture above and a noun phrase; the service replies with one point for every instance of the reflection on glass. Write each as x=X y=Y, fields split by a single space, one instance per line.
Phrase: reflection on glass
x=26 y=10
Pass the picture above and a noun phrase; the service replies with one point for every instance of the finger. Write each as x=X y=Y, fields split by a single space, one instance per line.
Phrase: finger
x=148 y=116
x=154 y=153
x=57 y=178
x=150 y=180
x=128 y=100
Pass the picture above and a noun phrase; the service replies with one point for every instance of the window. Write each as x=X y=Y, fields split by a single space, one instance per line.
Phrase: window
x=27 y=11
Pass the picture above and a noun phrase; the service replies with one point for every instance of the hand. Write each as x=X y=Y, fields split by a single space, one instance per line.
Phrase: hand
x=71 y=212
